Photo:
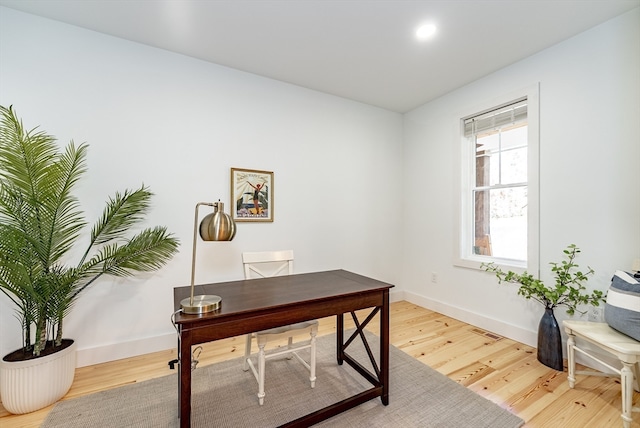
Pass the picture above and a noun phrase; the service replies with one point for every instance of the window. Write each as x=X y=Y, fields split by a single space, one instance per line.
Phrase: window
x=499 y=208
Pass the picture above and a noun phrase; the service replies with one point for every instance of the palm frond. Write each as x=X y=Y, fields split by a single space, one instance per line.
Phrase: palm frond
x=147 y=251
x=63 y=220
x=121 y=213
x=25 y=156
x=18 y=262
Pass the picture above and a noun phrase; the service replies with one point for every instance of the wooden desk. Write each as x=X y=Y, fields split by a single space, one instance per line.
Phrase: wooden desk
x=259 y=304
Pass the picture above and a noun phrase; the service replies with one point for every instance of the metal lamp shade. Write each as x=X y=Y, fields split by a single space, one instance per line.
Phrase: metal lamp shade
x=217 y=226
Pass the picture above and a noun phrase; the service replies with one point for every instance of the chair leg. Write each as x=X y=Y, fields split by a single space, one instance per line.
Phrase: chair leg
x=247 y=352
x=571 y=342
x=312 y=365
x=289 y=346
x=626 y=379
x=260 y=375
x=261 y=367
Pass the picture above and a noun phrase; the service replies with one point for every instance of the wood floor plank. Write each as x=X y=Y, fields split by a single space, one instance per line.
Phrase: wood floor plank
x=538 y=395
x=511 y=354
x=474 y=349
x=502 y=370
x=471 y=374
x=588 y=407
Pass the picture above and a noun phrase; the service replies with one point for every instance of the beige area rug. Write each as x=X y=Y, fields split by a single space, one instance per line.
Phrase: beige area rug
x=223 y=395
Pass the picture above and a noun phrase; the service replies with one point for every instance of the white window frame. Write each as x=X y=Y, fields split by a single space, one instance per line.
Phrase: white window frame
x=463 y=168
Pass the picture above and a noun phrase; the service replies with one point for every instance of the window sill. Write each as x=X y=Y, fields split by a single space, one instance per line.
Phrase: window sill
x=475 y=262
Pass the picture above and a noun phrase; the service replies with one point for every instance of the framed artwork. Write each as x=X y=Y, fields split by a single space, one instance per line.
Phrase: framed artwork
x=251 y=195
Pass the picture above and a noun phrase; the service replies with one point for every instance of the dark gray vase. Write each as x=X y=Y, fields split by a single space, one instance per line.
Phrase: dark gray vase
x=550 y=341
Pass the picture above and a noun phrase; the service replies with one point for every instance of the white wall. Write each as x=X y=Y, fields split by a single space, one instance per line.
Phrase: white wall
x=589 y=175
x=178 y=125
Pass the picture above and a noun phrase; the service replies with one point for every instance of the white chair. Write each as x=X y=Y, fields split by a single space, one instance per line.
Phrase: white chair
x=264 y=265
x=625 y=348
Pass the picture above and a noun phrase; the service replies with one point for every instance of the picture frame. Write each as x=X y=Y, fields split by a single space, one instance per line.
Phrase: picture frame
x=251 y=195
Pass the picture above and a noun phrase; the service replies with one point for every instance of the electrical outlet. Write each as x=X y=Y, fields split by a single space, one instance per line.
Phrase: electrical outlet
x=434 y=277
x=596 y=314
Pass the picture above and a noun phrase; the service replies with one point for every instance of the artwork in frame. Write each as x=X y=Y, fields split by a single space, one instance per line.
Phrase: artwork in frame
x=251 y=195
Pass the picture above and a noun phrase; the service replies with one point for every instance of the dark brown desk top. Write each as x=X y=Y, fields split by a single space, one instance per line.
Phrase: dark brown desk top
x=278 y=292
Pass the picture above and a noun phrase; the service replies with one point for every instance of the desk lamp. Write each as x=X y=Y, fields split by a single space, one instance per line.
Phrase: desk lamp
x=216 y=226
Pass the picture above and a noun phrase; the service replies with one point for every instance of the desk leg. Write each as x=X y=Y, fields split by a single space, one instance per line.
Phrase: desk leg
x=340 y=338
x=184 y=380
x=384 y=348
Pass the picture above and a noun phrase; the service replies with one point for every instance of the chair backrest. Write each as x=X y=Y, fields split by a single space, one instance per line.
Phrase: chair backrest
x=267 y=264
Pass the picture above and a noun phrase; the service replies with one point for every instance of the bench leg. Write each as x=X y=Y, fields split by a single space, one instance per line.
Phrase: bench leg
x=571 y=353
x=626 y=379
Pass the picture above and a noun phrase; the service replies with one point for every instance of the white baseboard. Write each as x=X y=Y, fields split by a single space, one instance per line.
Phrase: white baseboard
x=495 y=326
x=118 y=351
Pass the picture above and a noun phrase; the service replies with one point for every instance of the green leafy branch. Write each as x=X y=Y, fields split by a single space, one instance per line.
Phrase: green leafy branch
x=568 y=291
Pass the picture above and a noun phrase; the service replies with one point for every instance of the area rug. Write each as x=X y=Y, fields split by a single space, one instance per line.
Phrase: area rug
x=223 y=395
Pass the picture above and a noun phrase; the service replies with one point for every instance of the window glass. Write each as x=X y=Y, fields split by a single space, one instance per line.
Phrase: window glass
x=499 y=190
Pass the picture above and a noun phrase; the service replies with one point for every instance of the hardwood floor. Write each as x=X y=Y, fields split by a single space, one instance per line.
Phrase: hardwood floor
x=502 y=370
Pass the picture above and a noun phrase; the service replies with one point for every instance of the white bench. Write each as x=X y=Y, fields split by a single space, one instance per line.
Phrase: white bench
x=625 y=348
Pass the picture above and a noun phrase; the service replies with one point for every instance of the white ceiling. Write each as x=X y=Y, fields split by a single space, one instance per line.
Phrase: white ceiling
x=364 y=50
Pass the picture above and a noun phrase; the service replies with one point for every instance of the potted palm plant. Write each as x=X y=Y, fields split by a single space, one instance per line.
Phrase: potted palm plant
x=568 y=291
x=40 y=223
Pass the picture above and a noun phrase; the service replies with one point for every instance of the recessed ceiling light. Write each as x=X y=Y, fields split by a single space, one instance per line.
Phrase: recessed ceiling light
x=426 y=31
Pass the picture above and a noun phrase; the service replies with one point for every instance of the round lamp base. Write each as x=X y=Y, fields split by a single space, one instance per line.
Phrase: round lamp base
x=201 y=304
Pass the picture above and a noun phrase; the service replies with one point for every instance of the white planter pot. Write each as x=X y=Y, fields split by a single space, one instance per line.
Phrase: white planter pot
x=27 y=386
